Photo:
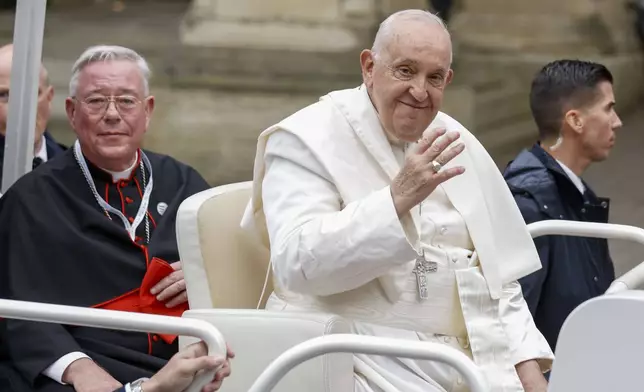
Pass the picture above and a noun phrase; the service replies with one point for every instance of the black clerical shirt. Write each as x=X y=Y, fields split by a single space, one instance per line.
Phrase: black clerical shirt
x=58 y=246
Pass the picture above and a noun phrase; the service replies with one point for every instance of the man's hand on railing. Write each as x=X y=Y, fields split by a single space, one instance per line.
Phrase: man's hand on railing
x=180 y=371
x=86 y=376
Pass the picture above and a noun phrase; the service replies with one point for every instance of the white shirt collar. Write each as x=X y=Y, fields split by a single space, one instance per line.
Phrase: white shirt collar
x=42 y=151
x=573 y=177
x=125 y=174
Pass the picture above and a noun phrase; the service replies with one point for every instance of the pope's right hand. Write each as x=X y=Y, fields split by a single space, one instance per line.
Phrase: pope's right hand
x=417 y=179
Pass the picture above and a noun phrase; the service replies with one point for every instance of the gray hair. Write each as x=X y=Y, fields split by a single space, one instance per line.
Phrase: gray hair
x=109 y=53
x=387 y=27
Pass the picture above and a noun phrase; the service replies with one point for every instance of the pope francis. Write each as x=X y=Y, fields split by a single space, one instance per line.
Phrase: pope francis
x=382 y=209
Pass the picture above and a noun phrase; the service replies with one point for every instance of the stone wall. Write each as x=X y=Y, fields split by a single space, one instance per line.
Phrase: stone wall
x=214 y=98
x=278 y=45
x=499 y=45
x=502 y=44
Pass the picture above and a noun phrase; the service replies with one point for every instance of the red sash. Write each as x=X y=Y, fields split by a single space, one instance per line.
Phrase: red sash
x=141 y=301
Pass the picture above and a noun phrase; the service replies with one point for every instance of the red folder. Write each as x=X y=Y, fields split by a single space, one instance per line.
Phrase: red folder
x=141 y=301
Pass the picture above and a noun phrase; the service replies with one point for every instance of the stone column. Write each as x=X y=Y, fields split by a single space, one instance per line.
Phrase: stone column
x=570 y=27
x=298 y=25
x=287 y=45
x=390 y=6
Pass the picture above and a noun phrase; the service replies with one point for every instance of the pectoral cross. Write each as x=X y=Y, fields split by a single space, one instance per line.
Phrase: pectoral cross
x=421 y=269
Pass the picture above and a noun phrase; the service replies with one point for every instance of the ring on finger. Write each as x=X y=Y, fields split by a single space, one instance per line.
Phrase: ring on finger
x=436 y=166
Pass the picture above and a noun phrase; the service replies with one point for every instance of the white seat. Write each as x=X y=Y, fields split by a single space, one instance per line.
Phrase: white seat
x=223 y=265
x=600 y=346
x=225 y=270
x=258 y=337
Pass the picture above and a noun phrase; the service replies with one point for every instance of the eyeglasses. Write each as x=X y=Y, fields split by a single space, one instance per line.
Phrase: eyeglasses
x=98 y=104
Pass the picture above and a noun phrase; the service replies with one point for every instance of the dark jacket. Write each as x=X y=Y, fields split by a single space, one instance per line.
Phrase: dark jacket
x=82 y=258
x=574 y=269
x=53 y=149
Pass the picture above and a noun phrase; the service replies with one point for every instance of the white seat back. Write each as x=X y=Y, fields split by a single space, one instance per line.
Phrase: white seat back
x=259 y=336
x=225 y=269
x=224 y=266
x=600 y=346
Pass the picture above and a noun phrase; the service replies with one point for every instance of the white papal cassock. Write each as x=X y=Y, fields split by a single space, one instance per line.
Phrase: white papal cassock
x=321 y=199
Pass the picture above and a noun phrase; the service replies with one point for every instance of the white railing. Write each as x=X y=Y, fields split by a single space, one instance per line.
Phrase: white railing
x=125 y=321
x=323 y=345
x=100 y=318
x=630 y=280
x=369 y=345
x=436 y=352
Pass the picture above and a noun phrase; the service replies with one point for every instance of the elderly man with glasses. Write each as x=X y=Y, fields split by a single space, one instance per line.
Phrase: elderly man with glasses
x=95 y=228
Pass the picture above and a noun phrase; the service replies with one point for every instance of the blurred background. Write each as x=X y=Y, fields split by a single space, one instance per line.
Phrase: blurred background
x=224 y=70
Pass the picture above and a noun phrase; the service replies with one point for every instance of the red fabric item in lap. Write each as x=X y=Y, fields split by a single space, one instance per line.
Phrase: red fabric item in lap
x=141 y=300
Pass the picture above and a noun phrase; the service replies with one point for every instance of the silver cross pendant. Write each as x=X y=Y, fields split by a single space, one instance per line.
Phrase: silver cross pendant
x=421 y=269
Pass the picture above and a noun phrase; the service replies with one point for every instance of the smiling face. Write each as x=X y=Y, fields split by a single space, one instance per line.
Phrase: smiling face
x=110 y=136
x=407 y=79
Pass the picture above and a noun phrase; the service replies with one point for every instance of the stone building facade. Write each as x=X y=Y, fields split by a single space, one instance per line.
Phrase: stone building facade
x=499 y=45
x=224 y=70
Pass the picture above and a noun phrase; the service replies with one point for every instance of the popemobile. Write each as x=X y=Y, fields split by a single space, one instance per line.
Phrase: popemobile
x=598 y=348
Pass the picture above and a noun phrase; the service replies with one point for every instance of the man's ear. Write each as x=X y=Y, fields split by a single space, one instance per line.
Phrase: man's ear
x=449 y=77
x=49 y=93
x=574 y=120
x=70 y=109
x=367 y=64
x=149 y=109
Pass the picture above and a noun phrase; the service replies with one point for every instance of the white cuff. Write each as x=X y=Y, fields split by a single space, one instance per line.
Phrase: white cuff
x=127 y=387
x=56 y=370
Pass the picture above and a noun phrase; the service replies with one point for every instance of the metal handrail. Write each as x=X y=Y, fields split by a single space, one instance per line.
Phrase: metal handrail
x=346 y=343
x=586 y=229
x=631 y=279
x=119 y=320
x=336 y=343
x=436 y=352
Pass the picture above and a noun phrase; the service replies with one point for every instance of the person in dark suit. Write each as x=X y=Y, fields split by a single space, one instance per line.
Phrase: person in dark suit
x=442 y=7
x=573 y=106
x=45 y=147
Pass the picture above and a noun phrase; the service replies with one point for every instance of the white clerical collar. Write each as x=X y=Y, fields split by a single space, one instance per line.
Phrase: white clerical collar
x=573 y=177
x=42 y=151
x=125 y=174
